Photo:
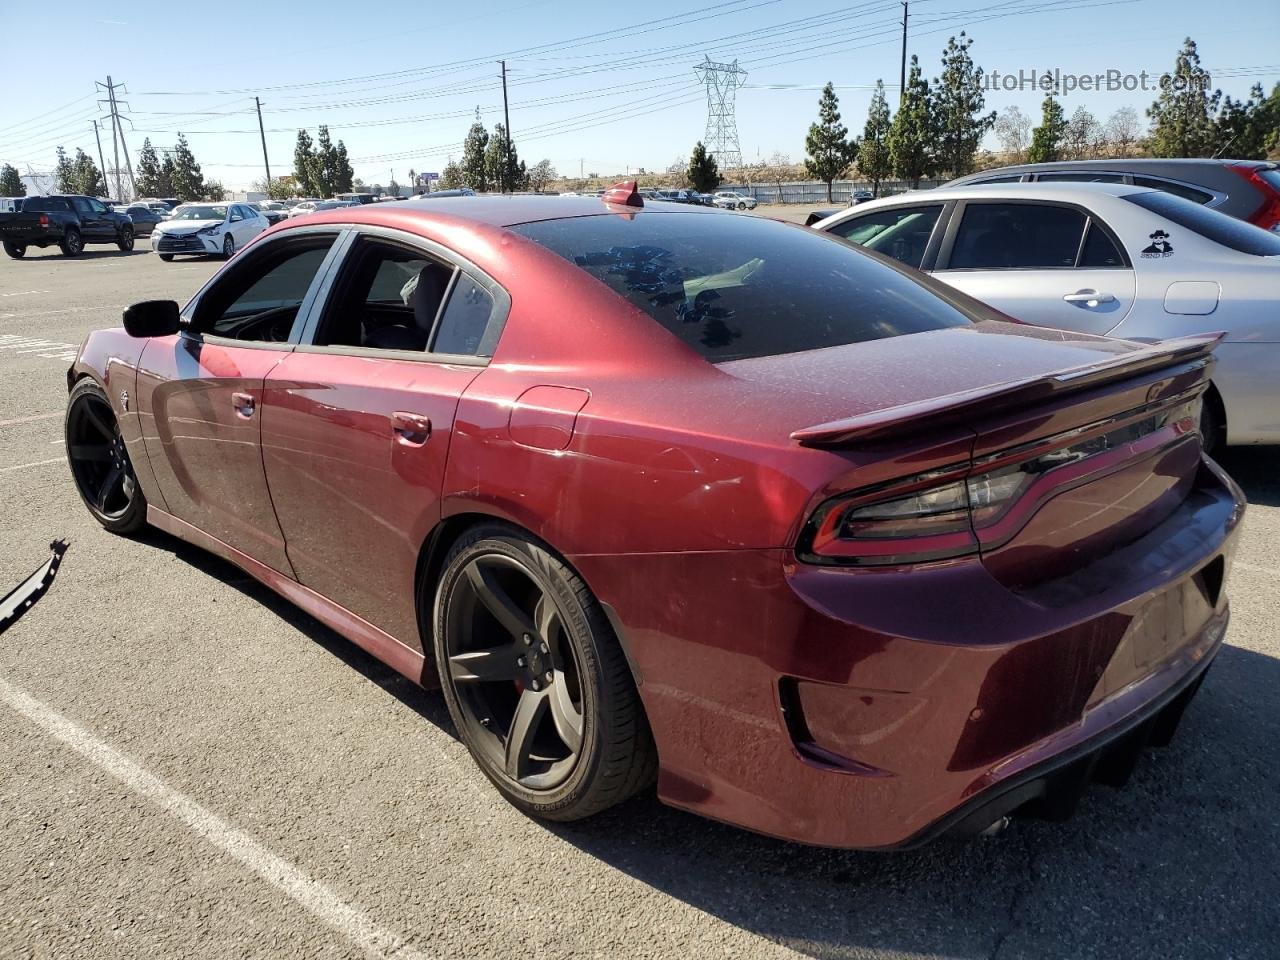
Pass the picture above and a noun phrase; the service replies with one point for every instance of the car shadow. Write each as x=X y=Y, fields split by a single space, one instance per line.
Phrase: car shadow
x=1257 y=470
x=35 y=255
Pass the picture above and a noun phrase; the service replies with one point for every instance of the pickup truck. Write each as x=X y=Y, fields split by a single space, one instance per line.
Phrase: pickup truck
x=69 y=221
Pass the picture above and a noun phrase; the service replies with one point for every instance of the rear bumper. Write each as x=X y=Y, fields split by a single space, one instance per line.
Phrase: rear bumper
x=882 y=707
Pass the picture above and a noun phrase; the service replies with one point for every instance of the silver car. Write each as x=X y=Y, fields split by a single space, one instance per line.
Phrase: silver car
x=1119 y=260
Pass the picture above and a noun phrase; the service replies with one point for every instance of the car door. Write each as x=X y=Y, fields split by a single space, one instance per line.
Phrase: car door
x=358 y=420
x=902 y=232
x=1046 y=263
x=199 y=393
x=93 y=222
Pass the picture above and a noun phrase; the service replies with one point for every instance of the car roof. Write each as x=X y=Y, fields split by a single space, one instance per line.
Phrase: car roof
x=1062 y=192
x=507 y=211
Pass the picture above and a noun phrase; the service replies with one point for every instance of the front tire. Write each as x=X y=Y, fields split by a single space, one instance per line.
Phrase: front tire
x=166 y=257
x=228 y=246
x=125 y=240
x=536 y=680
x=100 y=463
x=15 y=250
x=742 y=206
x=72 y=244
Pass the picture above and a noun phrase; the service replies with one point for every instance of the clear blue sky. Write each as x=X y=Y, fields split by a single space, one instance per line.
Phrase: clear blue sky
x=592 y=87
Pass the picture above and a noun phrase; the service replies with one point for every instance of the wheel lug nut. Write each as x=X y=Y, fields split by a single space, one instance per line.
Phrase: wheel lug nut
x=527 y=639
x=543 y=647
x=536 y=685
x=520 y=661
x=548 y=676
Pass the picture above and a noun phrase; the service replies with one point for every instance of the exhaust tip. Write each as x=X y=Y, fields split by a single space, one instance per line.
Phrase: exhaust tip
x=996 y=828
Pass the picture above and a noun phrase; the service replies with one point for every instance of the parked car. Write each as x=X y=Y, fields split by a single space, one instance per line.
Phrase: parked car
x=1109 y=259
x=860 y=196
x=68 y=221
x=1244 y=189
x=273 y=210
x=314 y=206
x=144 y=218
x=884 y=606
x=441 y=194
x=731 y=200
x=205 y=228
x=357 y=198
x=11 y=204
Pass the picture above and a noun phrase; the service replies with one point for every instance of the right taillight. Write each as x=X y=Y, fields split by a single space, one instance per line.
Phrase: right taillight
x=937 y=515
x=44 y=220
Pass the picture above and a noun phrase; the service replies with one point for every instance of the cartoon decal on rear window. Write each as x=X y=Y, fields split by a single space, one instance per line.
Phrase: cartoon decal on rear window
x=1160 y=246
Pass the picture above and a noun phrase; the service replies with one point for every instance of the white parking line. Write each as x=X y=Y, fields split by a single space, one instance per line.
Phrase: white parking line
x=34 y=463
x=314 y=896
x=23 y=293
x=31 y=419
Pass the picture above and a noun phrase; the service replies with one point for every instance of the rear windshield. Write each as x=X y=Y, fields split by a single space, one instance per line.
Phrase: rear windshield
x=1218 y=227
x=735 y=287
x=45 y=204
x=1270 y=176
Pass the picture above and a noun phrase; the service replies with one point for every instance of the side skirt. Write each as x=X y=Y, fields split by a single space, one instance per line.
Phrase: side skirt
x=388 y=649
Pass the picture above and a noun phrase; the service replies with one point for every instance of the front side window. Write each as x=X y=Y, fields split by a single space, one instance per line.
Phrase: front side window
x=259 y=299
x=1017 y=236
x=732 y=288
x=901 y=232
x=82 y=205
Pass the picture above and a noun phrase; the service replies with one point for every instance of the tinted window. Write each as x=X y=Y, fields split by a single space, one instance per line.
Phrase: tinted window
x=1218 y=227
x=734 y=287
x=260 y=299
x=387 y=298
x=466 y=321
x=82 y=205
x=1065 y=176
x=1099 y=249
x=1008 y=178
x=902 y=232
x=1271 y=177
x=1177 y=189
x=1012 y=236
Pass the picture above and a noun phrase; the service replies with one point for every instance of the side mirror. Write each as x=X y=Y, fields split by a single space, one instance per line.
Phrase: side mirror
x=151 y=318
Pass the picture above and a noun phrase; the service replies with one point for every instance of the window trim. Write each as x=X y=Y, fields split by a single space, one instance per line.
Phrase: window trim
x=943 y=260
x=318 y=282
x=437 y=251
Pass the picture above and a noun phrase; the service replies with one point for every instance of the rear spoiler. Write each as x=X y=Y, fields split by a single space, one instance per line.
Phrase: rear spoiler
x=910 y=417
x=818 y=215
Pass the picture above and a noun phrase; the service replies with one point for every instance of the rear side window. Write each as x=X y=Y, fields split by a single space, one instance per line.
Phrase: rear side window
x=1218 y=227
x=466 y=325
x=735 y=287
x=1270 y=176
x=1066 y=176
x=1099 y=250
x=1017 y=236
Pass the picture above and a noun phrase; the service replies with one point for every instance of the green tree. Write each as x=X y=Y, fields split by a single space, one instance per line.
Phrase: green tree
x=451 y=177
x=830 y=151
x=912 y=134
x=1046 y=139
x=1248 y=129
x=503 y=168
x=702 y=172
x=393 y=188
x=1083 y=136
x=344 y=176
x=148 y=174
x=86 y=177
x=874 y=161
x=1182 y=117
x=303 y=151
x=214 y=190
x=166 y=177
x=475 y=173
x=11 y=182
x=64 y=173
x=323 y=164
x=541 y=174
x=957 y=108
x=188 y=180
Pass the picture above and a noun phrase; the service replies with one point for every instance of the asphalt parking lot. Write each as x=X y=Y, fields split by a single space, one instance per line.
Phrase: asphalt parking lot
x=191 y=767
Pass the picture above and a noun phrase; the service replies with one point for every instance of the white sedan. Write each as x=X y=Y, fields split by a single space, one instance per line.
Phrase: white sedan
x=1110 y=259
x=204 y=228
x=733 y=201
x=315 y=206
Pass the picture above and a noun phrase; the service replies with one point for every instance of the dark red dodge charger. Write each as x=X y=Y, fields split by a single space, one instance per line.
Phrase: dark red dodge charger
x=657 y=493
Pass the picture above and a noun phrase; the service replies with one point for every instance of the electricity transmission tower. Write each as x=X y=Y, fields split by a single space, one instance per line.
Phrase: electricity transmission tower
x=112 y=102
x=722 y=81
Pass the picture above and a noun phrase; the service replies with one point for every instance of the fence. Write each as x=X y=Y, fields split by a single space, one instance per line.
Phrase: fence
x=815 y=191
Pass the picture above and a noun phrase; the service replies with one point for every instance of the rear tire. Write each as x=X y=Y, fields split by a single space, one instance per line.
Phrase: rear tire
x=549 y=656
x=72 y=244
x=15 y=250
x=125 y=240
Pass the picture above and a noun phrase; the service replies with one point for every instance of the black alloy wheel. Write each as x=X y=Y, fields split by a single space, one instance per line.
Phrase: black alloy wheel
x=535 y=679
x=228 y=246
x=72 y=243
x=100 y=463
x=125 y=241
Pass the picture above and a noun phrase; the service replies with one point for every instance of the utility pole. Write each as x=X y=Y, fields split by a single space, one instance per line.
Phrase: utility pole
x=98 y=136
x=263 y=133
x=902 y=73
x=115 y=143
x=506 y=120
x=117 y=140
